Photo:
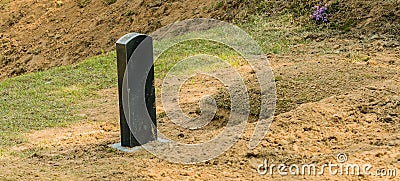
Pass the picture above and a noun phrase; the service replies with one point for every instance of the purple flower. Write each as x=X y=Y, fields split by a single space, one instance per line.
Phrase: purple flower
x=321 y=13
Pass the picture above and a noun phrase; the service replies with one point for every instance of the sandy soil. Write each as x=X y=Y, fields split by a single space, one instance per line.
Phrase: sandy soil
x=361 y=122
x=334 y=96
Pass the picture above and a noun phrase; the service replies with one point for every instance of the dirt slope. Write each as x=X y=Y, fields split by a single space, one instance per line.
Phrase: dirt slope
x=37 y=35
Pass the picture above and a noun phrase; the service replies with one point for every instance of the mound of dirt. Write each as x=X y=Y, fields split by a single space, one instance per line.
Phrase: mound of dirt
x=368 y=17
x=37 y=35
x=305 y=80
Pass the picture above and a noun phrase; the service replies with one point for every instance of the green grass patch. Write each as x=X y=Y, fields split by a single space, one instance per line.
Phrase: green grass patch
x=51 y=98
x=178 y=52
x=275 y=34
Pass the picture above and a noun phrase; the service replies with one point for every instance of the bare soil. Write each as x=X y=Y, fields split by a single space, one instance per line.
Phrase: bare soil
x=37 y=35
x=335 y=95
x=360 y=119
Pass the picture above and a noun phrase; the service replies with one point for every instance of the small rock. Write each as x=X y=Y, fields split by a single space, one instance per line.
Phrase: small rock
x=372 y=62
x=295 y=147
x=388 y=119
x=375 y=37
x=369 y=118
x=359 y=49
x=254 y=163
x=380 y=48
x=391 y=44
x=284 y=142
x=57 y=36
x=59 y=3
x=27 y=59
x=336 y=47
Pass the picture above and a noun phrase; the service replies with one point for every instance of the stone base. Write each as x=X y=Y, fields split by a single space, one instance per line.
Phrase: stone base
x=134 y=149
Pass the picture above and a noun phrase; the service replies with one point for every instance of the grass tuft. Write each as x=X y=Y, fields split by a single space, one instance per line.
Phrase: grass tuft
x=51 y=98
